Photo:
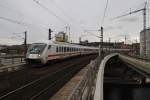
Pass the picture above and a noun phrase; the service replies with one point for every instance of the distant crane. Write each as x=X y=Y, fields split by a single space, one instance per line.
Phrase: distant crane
x=144 y=21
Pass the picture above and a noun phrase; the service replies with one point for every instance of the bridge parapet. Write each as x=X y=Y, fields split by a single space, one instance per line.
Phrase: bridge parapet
x=140 y=65
x=91 y=86
x=85 y=88
x=99 y=83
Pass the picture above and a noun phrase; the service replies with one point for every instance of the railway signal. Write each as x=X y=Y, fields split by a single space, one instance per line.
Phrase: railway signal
x=25 y=41
x=49 y=34
x=101 y=41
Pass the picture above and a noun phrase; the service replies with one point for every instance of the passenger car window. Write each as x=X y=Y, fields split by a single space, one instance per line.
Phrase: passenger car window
x=60 y=50
x=49 y=47
x=64 y=49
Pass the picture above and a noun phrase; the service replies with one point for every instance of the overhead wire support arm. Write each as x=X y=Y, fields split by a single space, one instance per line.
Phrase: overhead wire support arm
x=103 y=19
x=131 y=12
x=92 y=34
x=144 y=22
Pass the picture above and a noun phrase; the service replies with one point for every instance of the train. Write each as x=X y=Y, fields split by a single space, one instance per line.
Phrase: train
x=44 y=51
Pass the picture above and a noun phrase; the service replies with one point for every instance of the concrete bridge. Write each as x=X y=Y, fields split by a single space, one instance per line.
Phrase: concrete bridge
x=122 y=77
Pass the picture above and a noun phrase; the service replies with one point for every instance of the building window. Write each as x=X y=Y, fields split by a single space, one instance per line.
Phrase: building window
x=67 y=49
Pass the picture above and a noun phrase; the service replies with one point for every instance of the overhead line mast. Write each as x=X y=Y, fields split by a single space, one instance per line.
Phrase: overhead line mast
x=144 y=21
x=144 y=27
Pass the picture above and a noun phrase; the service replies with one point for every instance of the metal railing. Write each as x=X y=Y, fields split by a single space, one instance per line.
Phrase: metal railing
x=84 y=90
x=11 y=59
x=139 y=57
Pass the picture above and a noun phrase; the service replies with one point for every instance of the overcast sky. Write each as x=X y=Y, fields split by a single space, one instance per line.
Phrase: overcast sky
x=80 y=15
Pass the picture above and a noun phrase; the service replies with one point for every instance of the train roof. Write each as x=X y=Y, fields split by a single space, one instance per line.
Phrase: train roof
x=49 y=42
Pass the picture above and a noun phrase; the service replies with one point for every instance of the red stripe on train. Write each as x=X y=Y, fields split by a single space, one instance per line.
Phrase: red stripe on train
x=53 y=55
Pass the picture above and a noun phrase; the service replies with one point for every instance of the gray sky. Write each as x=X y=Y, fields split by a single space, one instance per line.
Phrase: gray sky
x=79 y=14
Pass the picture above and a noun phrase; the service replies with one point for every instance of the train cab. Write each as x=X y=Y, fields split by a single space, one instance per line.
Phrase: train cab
x=36 y=52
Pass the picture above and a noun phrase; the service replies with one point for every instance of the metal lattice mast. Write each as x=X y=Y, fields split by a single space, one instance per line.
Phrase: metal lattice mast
x=144 y=27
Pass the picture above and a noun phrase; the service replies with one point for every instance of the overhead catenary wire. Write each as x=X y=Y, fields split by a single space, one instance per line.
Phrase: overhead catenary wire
x=92 y=34
x=49 y=11
x=76 y=26
x=13 y=21
x=104 y=15
x=65 y=14
x=70 y=18
x=19 y=15
x=20 y=23
x=62 y=11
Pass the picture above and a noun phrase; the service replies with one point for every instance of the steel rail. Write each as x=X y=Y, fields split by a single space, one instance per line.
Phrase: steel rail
x=20 y=92
x=64 y=78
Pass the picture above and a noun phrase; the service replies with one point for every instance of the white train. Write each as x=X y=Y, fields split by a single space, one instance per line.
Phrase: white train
x=44 y=51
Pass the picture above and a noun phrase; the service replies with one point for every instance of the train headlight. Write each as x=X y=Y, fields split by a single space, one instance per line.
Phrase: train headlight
x=39 y=55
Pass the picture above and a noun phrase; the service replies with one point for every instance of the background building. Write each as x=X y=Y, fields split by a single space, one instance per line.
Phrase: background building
x=145 y=43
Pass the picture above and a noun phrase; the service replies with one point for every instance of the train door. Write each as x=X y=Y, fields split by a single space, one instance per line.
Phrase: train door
x=51 y=51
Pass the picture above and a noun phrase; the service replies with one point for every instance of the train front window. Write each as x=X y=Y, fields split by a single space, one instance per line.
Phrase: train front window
x=37 y=48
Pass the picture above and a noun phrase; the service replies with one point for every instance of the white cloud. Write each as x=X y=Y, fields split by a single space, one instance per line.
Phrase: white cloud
x=85 y=14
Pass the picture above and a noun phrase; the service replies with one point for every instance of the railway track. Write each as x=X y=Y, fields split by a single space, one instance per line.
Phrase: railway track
x=41 y=83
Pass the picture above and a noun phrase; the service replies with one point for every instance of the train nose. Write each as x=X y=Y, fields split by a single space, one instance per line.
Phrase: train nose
x=34 y=56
